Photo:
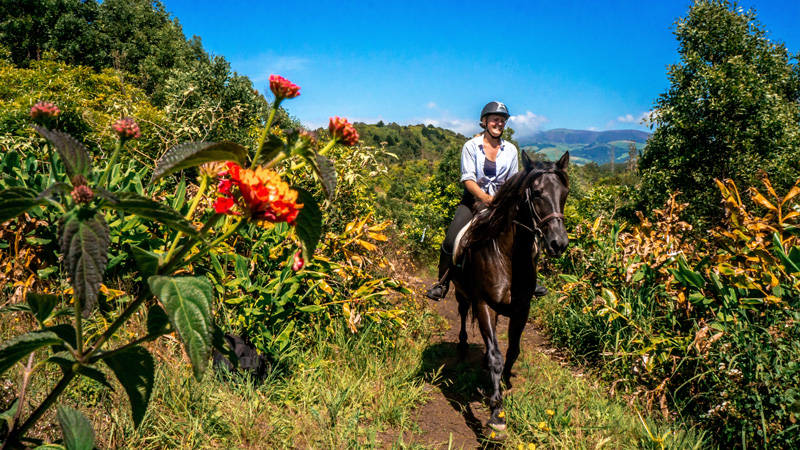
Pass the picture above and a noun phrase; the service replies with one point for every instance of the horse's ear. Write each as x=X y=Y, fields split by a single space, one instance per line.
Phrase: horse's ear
x=526 y=161
x=563 y=162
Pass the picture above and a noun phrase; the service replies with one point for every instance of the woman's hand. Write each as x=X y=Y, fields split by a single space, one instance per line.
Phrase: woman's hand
x=475 y=190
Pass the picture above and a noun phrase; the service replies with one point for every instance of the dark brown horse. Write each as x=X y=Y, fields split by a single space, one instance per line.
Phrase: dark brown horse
x=501 y=250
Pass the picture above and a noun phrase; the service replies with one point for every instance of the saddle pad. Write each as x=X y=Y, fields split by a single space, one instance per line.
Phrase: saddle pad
x=457 y=249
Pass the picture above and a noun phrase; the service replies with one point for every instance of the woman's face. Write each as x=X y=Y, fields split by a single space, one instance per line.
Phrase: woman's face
x=495 y=123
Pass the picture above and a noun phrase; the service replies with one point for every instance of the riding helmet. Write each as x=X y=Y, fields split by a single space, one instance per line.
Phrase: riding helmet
x=495 y=108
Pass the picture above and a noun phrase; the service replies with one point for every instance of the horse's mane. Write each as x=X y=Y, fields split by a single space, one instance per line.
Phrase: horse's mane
x=498 y=215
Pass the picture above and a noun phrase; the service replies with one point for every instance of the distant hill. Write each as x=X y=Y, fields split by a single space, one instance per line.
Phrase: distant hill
x=586 y=146
x=409 y=142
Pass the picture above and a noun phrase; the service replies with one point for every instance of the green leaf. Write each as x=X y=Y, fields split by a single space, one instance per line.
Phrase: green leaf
x=309 y=223
x=73 y=154
x=84 y=238
x=67 y=362
x=146 y=261
x=16 y=307
x=788 y=263
x=327 y=175
x=15 y=201
x=180 y=194
x=66 y=332
x=41 y=305
x=687 y=276
x=311 y=308
x=187 y=301
x=157 y=319
x=76 y=429
x=324 y=170
x=8 y=416
x=60 y=188
x=133 y=203
x=195 y=153
x=136 y=371
x=21 y=346
x=273 y=145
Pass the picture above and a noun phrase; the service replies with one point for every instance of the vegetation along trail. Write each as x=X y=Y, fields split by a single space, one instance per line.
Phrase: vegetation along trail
x=551 y=404
x=152 y=201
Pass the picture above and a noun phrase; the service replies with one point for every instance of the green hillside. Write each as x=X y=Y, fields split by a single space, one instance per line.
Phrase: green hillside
x=586 y=146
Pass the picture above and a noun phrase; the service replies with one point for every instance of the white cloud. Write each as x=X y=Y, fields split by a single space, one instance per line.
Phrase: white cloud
x=432 y=105
x=526 y=125
x=260 y=67
x=465 y=127
x=630 y=118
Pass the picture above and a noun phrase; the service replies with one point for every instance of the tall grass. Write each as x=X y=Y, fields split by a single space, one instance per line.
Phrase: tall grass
x=344 y=391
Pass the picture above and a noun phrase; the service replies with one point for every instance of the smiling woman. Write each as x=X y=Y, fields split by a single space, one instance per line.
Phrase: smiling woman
x=487 y=161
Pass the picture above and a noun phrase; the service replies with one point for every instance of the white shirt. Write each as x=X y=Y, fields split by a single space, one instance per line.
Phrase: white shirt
x=473 y=158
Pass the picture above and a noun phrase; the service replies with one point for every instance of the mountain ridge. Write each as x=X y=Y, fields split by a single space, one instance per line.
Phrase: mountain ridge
x=586 y=146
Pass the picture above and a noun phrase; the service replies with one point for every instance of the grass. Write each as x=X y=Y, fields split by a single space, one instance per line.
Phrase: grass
x=350 y=391
x=344 y=391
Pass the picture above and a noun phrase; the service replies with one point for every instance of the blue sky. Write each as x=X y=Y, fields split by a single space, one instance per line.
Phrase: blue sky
x=581 y=64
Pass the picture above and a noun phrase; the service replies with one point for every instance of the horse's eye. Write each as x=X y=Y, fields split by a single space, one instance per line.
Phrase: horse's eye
x=536 y=194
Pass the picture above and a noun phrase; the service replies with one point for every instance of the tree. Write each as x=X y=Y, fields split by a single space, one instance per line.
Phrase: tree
x=731 y=109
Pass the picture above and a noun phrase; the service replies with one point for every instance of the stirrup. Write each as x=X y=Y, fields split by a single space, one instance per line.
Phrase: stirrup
x=437 y=291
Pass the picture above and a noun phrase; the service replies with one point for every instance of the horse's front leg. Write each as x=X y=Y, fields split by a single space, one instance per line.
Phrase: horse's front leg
x=463 y=311
x=487 y=319
x=516 y=325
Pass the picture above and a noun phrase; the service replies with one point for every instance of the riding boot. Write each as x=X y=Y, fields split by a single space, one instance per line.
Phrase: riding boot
x=539 y=291
x=439 y=289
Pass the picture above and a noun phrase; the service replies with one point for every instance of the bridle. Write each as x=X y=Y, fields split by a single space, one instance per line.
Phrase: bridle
x=537 y=221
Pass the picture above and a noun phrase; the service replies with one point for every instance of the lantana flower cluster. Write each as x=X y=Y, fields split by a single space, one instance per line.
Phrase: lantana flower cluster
x=283 y=88
x=259 y=194
x=126 y=128
x=42 y=112
x=343 y=131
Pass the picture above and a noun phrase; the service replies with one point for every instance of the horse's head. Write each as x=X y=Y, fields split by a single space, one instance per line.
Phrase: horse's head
x=545 y=193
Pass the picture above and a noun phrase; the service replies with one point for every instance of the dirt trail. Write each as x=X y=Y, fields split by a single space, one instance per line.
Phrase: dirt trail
x=454 y=418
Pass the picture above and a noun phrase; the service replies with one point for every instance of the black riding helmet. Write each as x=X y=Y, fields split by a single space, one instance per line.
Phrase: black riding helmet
x=494 y=108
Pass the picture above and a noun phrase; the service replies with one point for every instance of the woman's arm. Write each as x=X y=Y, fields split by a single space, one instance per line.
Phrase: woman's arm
x=475 y=190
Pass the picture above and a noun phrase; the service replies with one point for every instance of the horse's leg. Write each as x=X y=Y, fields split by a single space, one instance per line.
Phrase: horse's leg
x=463 y=311
x=516 y=325
x=487 y=319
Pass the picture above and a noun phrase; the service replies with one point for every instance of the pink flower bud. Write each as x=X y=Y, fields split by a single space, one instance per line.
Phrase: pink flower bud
x=283 y=88
x=44 y=111
x=82 y=194
x=298 y=261
x=126 y=128
x=343 y=131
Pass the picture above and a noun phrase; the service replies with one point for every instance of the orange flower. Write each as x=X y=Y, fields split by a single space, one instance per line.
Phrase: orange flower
x=283 y=88
x=259 y=193
x=343 y=131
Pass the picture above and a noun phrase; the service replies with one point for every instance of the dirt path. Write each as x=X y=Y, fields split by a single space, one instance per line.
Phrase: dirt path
x=455 y=414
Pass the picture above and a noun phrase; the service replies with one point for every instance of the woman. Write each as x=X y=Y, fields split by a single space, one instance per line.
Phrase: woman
x=487 y=161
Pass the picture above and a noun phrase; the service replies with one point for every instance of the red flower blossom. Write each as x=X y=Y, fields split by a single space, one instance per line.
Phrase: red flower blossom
x=44 y=111
x=283 y=88
x=343 y=131
x=126 y=128
x=298 y=261
x=223 y=205
x=259 y=193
